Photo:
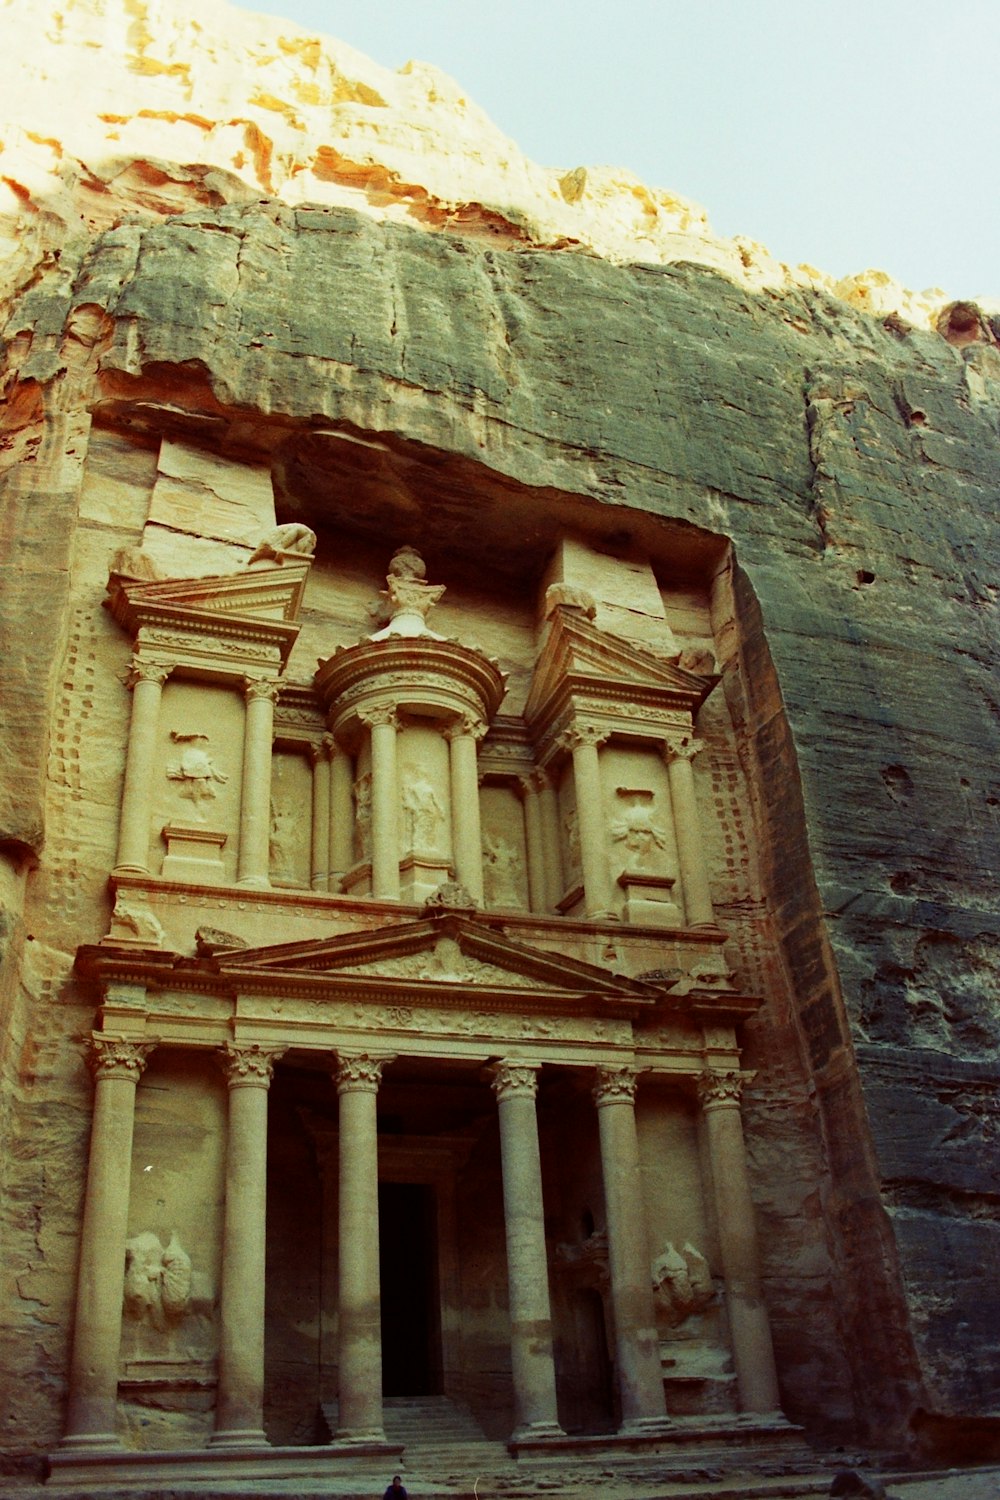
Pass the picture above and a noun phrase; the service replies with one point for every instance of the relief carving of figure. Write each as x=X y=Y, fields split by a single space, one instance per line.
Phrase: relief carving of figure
x=293 y=537
x=641 y=838
x=196 y=771
x=157 y=1280
x=423 y=815
x=363 y=817
x=134 y=920
x=682 y=1283
x=500 y=872
x=571 y=830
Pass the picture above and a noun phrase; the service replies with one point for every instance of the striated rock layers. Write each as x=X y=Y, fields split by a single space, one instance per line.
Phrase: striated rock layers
x=826 y=480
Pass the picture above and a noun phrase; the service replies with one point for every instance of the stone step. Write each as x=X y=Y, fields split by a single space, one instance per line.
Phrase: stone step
x=425 y=1422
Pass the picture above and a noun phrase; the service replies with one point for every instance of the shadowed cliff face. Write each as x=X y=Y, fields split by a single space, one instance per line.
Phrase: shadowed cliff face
x=391 y=376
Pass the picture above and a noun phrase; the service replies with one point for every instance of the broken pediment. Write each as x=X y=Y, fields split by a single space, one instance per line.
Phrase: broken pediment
x=581 y=667
x=258 y=604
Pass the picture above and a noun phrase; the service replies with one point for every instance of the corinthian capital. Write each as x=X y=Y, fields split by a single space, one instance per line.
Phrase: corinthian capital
x=684 y=747
x=360 y=1073
x=147 y=671
x=722 y=1090
x=514 y=1080
x=615 y=1085
x=384 y=713
x=248 y=1065
x=467 y=726
x=257 y=689
x=114 y=1057
x=583 y=734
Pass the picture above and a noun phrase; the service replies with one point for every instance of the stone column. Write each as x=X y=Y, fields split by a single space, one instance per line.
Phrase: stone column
x=749 y=1327
x=584 y=740
x=532 y=1362
x=239 y=1408
x=385 y=803
x=637 y=1345
x=146 y=681
x=548 y=810
x=687 y=828
x=359 y=1312
x=319 y=878
x=93 y=1380
x=533 y=843
x=255 y=812
x=466 y=832
x=341 y=814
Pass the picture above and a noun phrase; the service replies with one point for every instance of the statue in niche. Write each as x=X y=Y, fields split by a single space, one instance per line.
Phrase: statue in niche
x=682 y=1284
x=571 y=831
x=501 y=868
x=157 y=1280
x=640 y=837
x=196 y=771
x=423 y=815
x=280 y=844
x=293 y=539
x=363 y=817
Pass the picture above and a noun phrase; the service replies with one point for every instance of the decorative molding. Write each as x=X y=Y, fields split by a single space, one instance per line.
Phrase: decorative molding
x=248 y=1064
x=514 y=1080
x=114 y=1057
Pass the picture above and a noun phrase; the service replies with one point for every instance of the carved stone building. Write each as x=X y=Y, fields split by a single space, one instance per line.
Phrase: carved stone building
x=416 y=1062
x=498 y=845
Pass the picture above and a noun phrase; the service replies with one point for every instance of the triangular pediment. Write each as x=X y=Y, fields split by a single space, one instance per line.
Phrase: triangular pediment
x=264 y=592
x=579 y=657
x=443 y=950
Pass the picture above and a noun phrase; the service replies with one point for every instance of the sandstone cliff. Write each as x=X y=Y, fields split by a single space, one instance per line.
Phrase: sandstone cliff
x=851 y=461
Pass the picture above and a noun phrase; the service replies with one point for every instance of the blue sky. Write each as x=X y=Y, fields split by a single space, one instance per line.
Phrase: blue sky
x=845 y=133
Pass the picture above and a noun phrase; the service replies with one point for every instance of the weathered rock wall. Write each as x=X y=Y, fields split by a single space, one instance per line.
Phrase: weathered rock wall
x=854 y=467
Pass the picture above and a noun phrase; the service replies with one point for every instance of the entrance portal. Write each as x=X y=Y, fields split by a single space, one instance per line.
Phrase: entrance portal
x=408 y=1269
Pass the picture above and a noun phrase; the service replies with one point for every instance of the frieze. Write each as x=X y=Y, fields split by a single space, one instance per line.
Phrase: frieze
x=192 y=644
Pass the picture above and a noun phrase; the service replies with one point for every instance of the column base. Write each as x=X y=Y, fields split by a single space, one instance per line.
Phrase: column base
x=90 y=1442
x=530 y=1432
x=130 y=870
x=254 y=883
x=238 y=1437
x=645 y=1427
x=360 y=1436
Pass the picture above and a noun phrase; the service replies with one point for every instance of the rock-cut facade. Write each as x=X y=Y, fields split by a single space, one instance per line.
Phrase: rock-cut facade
x=499 y=856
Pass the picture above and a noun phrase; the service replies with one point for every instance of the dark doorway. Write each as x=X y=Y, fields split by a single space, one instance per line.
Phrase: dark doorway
x=594 y=1375
x=411 y=1322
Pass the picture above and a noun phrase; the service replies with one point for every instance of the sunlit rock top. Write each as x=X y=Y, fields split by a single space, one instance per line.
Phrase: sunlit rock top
x=153 y=107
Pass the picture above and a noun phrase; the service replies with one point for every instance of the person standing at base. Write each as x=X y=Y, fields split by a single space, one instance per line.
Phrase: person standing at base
x=396 y=1490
